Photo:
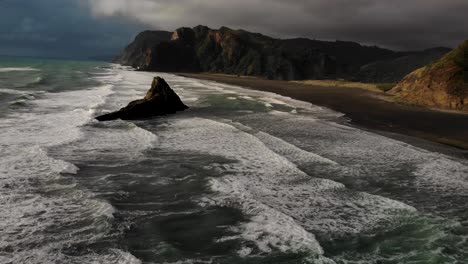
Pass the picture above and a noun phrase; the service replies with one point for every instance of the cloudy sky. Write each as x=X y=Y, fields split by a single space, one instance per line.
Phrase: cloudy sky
x=83 y=28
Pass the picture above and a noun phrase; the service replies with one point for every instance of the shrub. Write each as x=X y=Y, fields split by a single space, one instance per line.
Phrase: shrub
x=386 y=86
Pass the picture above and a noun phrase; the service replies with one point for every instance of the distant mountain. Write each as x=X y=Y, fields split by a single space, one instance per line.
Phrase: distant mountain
x=239 y=52
x=393 y=70
x=245 y=53
x=442 y=84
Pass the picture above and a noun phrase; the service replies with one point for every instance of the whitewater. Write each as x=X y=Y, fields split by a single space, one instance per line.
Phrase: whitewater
x=243 y=176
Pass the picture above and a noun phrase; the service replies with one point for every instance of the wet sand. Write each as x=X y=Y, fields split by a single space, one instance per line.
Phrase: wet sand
x=367 y=109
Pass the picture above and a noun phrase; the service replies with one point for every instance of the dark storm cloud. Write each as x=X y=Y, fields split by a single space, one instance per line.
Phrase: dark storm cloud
x=81 y=28
x=400 y=24
x=60 y=28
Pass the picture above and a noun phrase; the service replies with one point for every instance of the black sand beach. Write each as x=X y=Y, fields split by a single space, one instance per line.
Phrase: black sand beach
x=365 y=108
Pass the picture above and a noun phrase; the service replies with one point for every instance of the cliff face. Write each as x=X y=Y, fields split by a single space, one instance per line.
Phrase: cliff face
x=244 y=53
x=139 y=51
x=395 y=69
x=442 y=84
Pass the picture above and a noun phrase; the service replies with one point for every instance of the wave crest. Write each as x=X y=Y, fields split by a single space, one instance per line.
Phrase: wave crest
x=13 y=69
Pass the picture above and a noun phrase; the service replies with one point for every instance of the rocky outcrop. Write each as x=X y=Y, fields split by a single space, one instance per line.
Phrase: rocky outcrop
x=394 y=70
x=442 y=84
x=159 y=100
x=238 y=52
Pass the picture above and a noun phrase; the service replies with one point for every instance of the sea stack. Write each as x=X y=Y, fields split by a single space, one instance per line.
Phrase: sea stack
x=159 y=100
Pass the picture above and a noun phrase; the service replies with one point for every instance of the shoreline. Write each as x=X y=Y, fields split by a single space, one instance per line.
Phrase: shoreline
x=365 y=108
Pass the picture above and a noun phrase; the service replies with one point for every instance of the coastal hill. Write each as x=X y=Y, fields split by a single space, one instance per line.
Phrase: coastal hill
x=239 y=52
x=442 y=84
x=393 y=70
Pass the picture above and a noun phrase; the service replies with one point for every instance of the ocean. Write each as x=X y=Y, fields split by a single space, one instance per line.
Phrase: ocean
x=241 y=177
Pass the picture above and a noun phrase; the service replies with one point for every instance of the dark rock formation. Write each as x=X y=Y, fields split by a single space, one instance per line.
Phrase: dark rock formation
x=141 y=48
x=442 y=84
x=394 y=70
x=159 y=100
x=238 y=52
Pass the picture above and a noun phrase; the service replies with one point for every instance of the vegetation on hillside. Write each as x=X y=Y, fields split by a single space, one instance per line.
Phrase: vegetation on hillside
x=375 y=87
x=441 y=84
x=238 y=52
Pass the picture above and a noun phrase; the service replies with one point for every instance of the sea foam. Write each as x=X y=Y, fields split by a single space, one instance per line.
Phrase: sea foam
x=36 y=201
x=271 y=189
x=12 y=69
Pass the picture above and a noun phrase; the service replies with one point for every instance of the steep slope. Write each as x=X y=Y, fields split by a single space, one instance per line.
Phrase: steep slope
x=394 y=70
x=350 y=56
x=442 y=84
x=140 y=49
x=245 y=53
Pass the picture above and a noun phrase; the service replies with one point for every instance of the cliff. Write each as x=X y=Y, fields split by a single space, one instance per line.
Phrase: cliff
x=238 y=52
x=139 y=51
x=442 y=84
